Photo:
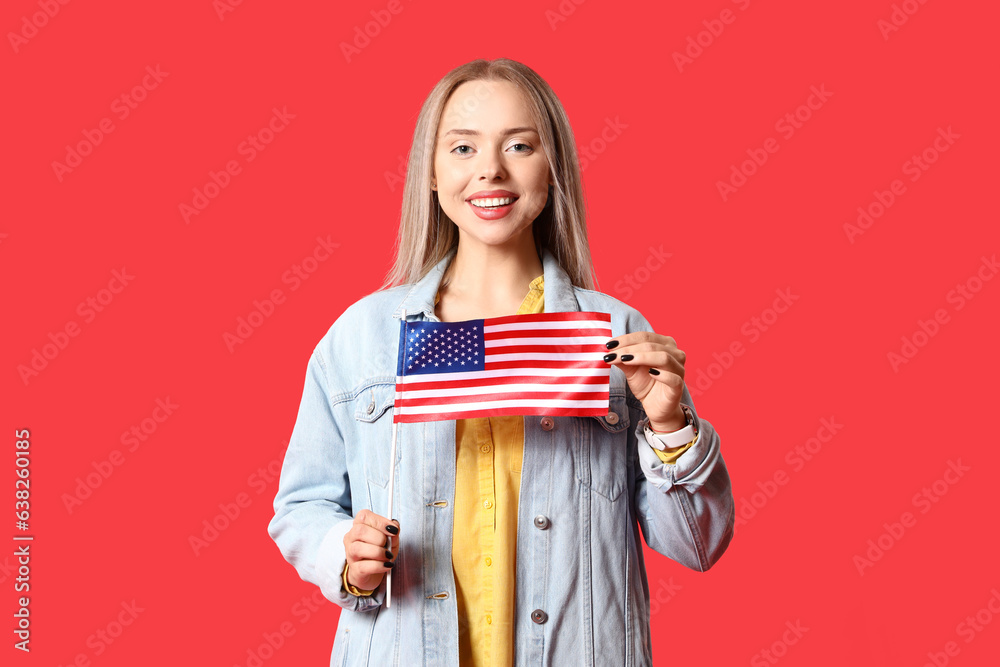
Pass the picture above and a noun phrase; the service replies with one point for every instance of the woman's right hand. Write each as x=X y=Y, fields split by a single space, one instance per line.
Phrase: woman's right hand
x=367 y=557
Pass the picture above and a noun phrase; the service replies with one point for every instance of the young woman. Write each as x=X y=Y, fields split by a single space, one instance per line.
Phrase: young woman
x=515 y=539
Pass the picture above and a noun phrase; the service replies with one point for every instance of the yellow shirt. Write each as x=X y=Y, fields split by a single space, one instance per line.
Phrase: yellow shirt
x=484 y=547
x=489 y=451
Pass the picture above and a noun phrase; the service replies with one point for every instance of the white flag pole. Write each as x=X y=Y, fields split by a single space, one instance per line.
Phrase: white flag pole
x=392 y=479
x=392 y=476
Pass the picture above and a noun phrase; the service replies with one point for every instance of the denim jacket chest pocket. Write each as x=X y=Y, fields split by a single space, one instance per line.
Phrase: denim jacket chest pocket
x=599 y=445
x=373 y=425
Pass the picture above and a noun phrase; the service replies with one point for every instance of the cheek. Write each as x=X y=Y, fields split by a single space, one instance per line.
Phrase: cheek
x=533 y=205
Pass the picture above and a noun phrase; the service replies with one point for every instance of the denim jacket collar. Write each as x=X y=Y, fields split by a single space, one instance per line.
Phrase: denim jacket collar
x=559 y=295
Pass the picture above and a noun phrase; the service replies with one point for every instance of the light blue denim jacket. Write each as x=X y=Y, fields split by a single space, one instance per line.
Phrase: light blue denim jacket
x=588 y=486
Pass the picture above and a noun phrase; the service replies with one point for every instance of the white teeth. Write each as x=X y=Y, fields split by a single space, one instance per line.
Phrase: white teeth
x=492 y=202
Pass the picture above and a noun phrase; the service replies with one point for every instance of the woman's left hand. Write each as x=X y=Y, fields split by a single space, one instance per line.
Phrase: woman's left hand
x=654 y=369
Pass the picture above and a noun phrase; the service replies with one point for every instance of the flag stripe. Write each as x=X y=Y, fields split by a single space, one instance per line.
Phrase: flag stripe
x=511 y=390
x=500 y=378
x=568 y=367
x=599 y=335
x=487 y=397
x=541 y=319
x=518 y=344
x=558 y=370
x=511 y=403
x=497 y=412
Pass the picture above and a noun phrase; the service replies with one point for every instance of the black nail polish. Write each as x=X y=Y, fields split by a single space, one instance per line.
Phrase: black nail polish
x=389 y=564
x=392 y=529
x=627 y=357
x=388 y=554
x=610 y=357
x=611 y=344
x=653 y=371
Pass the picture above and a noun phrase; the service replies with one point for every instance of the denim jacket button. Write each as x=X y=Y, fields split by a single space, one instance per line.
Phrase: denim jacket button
x=371 y=407
x=612 y=418
x=539 y=616
x=547 y=423
x=541 y=522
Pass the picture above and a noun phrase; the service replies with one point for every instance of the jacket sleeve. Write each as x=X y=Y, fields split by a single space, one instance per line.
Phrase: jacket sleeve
x=685 y=510
x=312 y=508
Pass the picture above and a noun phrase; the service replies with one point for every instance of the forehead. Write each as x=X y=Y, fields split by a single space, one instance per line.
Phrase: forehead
x=486 y=106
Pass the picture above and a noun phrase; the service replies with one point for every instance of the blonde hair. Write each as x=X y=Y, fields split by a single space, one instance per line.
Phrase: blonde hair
x=424 y=239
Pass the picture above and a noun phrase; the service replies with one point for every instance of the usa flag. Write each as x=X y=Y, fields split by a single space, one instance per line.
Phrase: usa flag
x=533 y=364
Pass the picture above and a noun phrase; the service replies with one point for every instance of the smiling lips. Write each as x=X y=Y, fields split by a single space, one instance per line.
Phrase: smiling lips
x=492 y=204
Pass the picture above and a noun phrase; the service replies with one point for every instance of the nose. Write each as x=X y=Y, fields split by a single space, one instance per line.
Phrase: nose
x=491 y=166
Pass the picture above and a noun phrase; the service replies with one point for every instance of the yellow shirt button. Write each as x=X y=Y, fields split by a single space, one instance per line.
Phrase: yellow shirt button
x=489 y=561
x=487 y=504
x=489 y=620
x=485 y=449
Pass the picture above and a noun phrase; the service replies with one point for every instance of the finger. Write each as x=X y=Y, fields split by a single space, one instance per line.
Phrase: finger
x=672 y=380
x=362 y=551
x=381 y=523
x=672 y=364
x=663 y=360
x=623 y=352
x=368 y=568
x=637 y=337
x=367 y=534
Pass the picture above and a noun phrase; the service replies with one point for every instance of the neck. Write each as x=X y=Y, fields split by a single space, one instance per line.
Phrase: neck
x=491 y=276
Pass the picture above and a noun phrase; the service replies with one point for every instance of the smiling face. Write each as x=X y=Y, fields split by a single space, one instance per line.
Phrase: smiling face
x=491 y=174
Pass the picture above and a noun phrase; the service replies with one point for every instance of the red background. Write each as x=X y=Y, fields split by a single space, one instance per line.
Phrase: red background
x=655 y=184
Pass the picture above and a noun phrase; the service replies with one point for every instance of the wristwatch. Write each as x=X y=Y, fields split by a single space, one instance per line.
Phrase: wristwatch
x=663 y=441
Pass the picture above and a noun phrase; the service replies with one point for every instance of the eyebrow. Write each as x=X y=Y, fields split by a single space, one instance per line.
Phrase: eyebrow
x=476 y=133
